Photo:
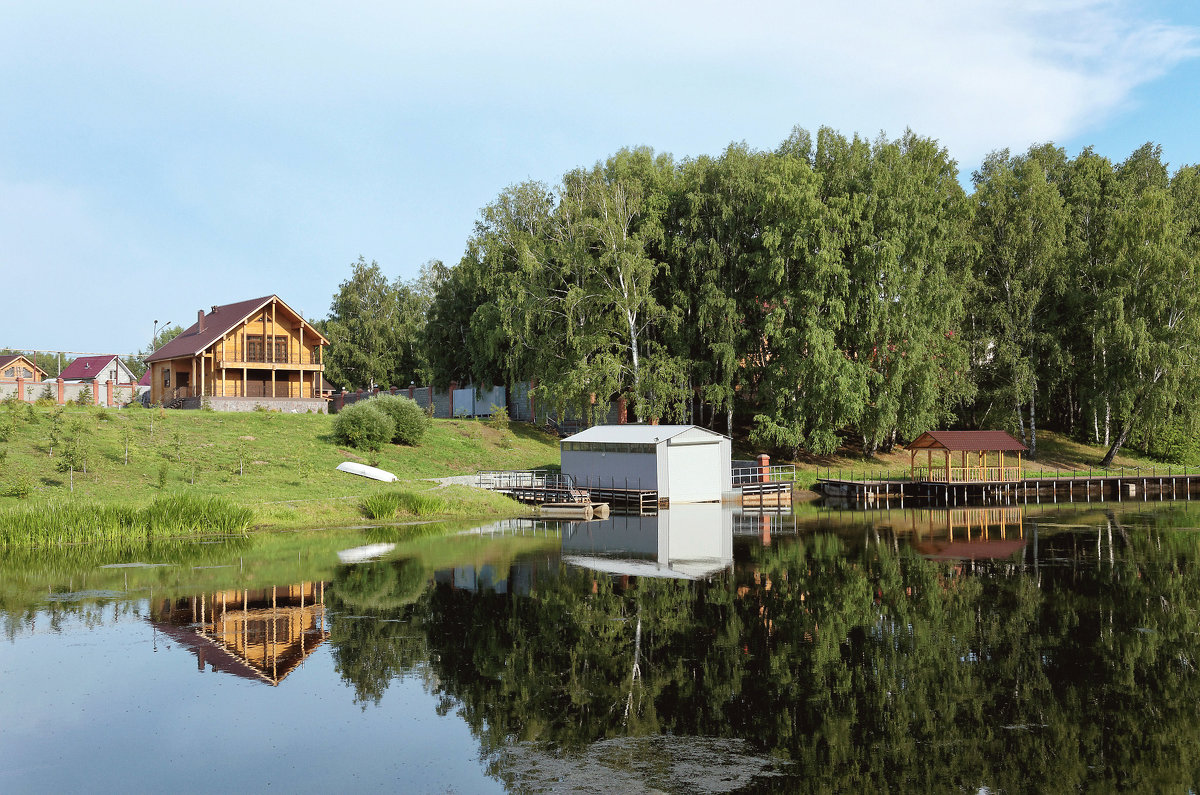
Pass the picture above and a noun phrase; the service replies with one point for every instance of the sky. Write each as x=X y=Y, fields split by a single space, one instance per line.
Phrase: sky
x=158 y=158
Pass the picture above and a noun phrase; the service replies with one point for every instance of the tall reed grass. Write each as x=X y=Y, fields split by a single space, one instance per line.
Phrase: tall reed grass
x=75 y=523
x=389 y=504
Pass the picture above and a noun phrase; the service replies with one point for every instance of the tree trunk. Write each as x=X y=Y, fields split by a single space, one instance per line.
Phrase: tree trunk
x=1116 y=446
x=729 y=420
x=1033 y=422
x=1021 y=424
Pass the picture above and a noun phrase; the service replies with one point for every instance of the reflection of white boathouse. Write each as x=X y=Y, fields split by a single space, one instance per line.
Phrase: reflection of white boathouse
x=688 y=542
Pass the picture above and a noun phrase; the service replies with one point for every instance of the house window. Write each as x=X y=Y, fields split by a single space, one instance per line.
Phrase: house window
x=9 y=372
x=112 y=374
x=281 y=349
x=254 y=348
x=26 y=373
x=166 y=376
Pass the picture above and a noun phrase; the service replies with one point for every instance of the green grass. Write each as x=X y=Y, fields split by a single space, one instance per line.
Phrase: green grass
x=281 y=466
x=171 y=516
x=390 y=504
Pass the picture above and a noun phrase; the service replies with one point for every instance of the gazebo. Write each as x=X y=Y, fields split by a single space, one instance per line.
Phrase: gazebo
x=980 y=457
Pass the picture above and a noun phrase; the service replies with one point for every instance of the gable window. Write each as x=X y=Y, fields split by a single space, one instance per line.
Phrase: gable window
x=281 y=349
x=9 y=372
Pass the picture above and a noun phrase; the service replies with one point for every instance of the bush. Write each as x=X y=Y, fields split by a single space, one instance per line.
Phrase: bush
x=409 y=421
x=364 y=426
x=85 y=397
x=499 y=419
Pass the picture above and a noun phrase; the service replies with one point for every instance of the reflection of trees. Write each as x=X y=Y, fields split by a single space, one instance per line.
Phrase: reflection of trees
x=369 y=652
x=869 y=668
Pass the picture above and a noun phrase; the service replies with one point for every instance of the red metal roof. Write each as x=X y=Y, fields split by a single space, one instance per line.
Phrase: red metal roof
x=217 y=323
x=975 y=549
x=965 y=440
x=87 y=367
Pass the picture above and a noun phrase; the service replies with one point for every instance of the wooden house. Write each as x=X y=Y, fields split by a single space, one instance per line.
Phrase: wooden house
x=14 y=366
x=238 y=356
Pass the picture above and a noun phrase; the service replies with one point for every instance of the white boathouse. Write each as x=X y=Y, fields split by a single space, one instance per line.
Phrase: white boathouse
x=683 y=463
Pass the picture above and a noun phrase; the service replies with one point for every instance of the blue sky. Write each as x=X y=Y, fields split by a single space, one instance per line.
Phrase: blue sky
x=156 y=158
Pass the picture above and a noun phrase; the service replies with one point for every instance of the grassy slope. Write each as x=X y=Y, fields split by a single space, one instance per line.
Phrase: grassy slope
x=289 y=476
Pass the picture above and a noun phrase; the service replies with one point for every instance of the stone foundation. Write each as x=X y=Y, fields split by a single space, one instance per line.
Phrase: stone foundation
x=285 y=405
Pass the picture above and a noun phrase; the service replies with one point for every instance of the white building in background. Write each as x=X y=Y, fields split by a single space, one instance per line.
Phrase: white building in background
x=683 y=463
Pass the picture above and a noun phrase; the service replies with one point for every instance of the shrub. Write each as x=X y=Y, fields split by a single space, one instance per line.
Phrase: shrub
x=499 y=419
x=85 y=397
x=364 y=426
x=409 y=421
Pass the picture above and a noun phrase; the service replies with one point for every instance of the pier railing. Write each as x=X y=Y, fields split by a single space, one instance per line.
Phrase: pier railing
x=953 y=474
x=506 y=480
x=939 y=473
x=779 y=473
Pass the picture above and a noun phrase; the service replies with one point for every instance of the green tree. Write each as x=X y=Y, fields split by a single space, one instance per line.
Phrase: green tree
x=374 y=330
x=1021 y=229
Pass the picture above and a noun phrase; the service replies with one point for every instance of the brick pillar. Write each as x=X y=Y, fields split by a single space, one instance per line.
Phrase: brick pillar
x=20 y=388
x=108 y=388
x=96 y=391
x=392 y=391
x=412 y=391
x=453 y=386
x=765 y=531
x=61 y=391
x=339 y=401
x=622 y=414
x=764 y=462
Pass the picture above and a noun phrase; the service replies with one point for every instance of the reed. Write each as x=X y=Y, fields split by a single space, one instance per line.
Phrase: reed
x=389 y=504
x=166 y=517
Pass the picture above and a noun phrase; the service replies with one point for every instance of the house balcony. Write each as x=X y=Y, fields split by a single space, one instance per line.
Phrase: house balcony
x=304 y=363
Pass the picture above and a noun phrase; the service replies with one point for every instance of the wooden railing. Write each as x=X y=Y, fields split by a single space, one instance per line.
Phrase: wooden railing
x=290 y=361
x=961 y=474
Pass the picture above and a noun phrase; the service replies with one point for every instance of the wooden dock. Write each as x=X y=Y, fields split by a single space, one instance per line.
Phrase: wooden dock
x=540 y=487
x=1166 y=483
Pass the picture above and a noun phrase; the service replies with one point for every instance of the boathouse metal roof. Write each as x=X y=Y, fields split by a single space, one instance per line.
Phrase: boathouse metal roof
x=637 y=433
x=955 y=441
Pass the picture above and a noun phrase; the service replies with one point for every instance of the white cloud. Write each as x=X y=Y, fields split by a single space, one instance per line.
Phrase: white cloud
x=277 y=142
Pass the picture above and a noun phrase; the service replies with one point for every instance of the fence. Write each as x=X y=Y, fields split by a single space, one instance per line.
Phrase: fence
x=99 y=393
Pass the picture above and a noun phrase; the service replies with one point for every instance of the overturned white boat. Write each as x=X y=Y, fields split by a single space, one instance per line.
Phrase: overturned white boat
x=366 y=471
x=364 y=553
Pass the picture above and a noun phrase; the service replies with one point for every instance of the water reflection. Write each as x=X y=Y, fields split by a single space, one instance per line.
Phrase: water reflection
x=809 y=651
x=687 y=542
x=261 y=635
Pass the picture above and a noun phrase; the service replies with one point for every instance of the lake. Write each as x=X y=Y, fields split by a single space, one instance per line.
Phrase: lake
x=1007 y=648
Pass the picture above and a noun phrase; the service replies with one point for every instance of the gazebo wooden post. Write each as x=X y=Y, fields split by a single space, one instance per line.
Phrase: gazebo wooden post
x=912 y=465
x=1018 y=477
x=947 y=467
x=929 y=462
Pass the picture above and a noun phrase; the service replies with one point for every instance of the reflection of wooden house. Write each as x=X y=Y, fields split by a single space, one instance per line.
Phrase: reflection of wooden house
x=261 y=634
x=980 y=457
x=238 y=355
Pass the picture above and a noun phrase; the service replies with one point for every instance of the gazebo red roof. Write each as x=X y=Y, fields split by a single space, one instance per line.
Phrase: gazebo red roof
x=956 y=441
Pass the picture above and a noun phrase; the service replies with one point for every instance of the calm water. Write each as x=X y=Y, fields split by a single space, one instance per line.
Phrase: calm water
x=1002 y=649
